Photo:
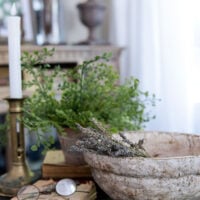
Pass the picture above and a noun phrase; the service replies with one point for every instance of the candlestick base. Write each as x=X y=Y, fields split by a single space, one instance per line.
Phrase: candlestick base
x=17 y=177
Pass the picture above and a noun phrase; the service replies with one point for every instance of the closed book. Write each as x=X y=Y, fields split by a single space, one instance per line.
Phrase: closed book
x=55 y=166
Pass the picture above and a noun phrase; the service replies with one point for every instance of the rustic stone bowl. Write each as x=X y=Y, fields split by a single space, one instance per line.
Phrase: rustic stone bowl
x=171 y=173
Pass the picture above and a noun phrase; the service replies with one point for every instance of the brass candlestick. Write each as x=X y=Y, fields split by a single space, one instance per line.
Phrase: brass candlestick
x=19 y=174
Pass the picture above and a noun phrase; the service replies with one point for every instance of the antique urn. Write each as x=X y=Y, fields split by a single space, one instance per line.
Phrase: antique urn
x=91 y=14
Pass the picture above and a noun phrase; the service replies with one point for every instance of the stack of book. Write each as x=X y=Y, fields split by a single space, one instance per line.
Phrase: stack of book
x=54 y=166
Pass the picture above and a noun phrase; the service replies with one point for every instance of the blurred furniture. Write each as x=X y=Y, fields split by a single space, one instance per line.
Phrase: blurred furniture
x=66 y=56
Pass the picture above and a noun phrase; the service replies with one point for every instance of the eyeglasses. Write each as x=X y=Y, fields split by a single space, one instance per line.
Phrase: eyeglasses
x=64 y=187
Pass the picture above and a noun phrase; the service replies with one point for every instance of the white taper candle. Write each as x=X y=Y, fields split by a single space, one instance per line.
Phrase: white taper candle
x=14 y=52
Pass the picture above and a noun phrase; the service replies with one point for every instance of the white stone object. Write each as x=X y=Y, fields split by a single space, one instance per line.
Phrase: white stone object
x=171 y=173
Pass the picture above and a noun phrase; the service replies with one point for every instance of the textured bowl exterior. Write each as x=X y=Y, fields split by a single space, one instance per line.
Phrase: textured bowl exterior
x=172 y=173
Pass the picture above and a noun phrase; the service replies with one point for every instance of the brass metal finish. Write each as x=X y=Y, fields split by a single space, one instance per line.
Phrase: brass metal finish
x=19 y=173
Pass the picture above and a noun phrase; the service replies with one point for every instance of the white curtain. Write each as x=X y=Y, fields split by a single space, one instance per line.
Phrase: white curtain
x=158 y=36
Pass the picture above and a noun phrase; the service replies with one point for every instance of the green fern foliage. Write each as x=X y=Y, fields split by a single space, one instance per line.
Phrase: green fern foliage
x=89 y=90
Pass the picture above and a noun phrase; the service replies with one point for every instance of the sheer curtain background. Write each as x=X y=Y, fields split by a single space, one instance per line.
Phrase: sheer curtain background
x=160 y=41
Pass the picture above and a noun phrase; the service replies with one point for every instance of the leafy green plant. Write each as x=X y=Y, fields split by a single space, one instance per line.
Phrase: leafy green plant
x=90 y=90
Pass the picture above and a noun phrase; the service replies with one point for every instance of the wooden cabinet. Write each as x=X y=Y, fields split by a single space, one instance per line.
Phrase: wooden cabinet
x=64 y=55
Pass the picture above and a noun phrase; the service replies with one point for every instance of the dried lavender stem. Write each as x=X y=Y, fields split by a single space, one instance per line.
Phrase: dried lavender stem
x=98 y=141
